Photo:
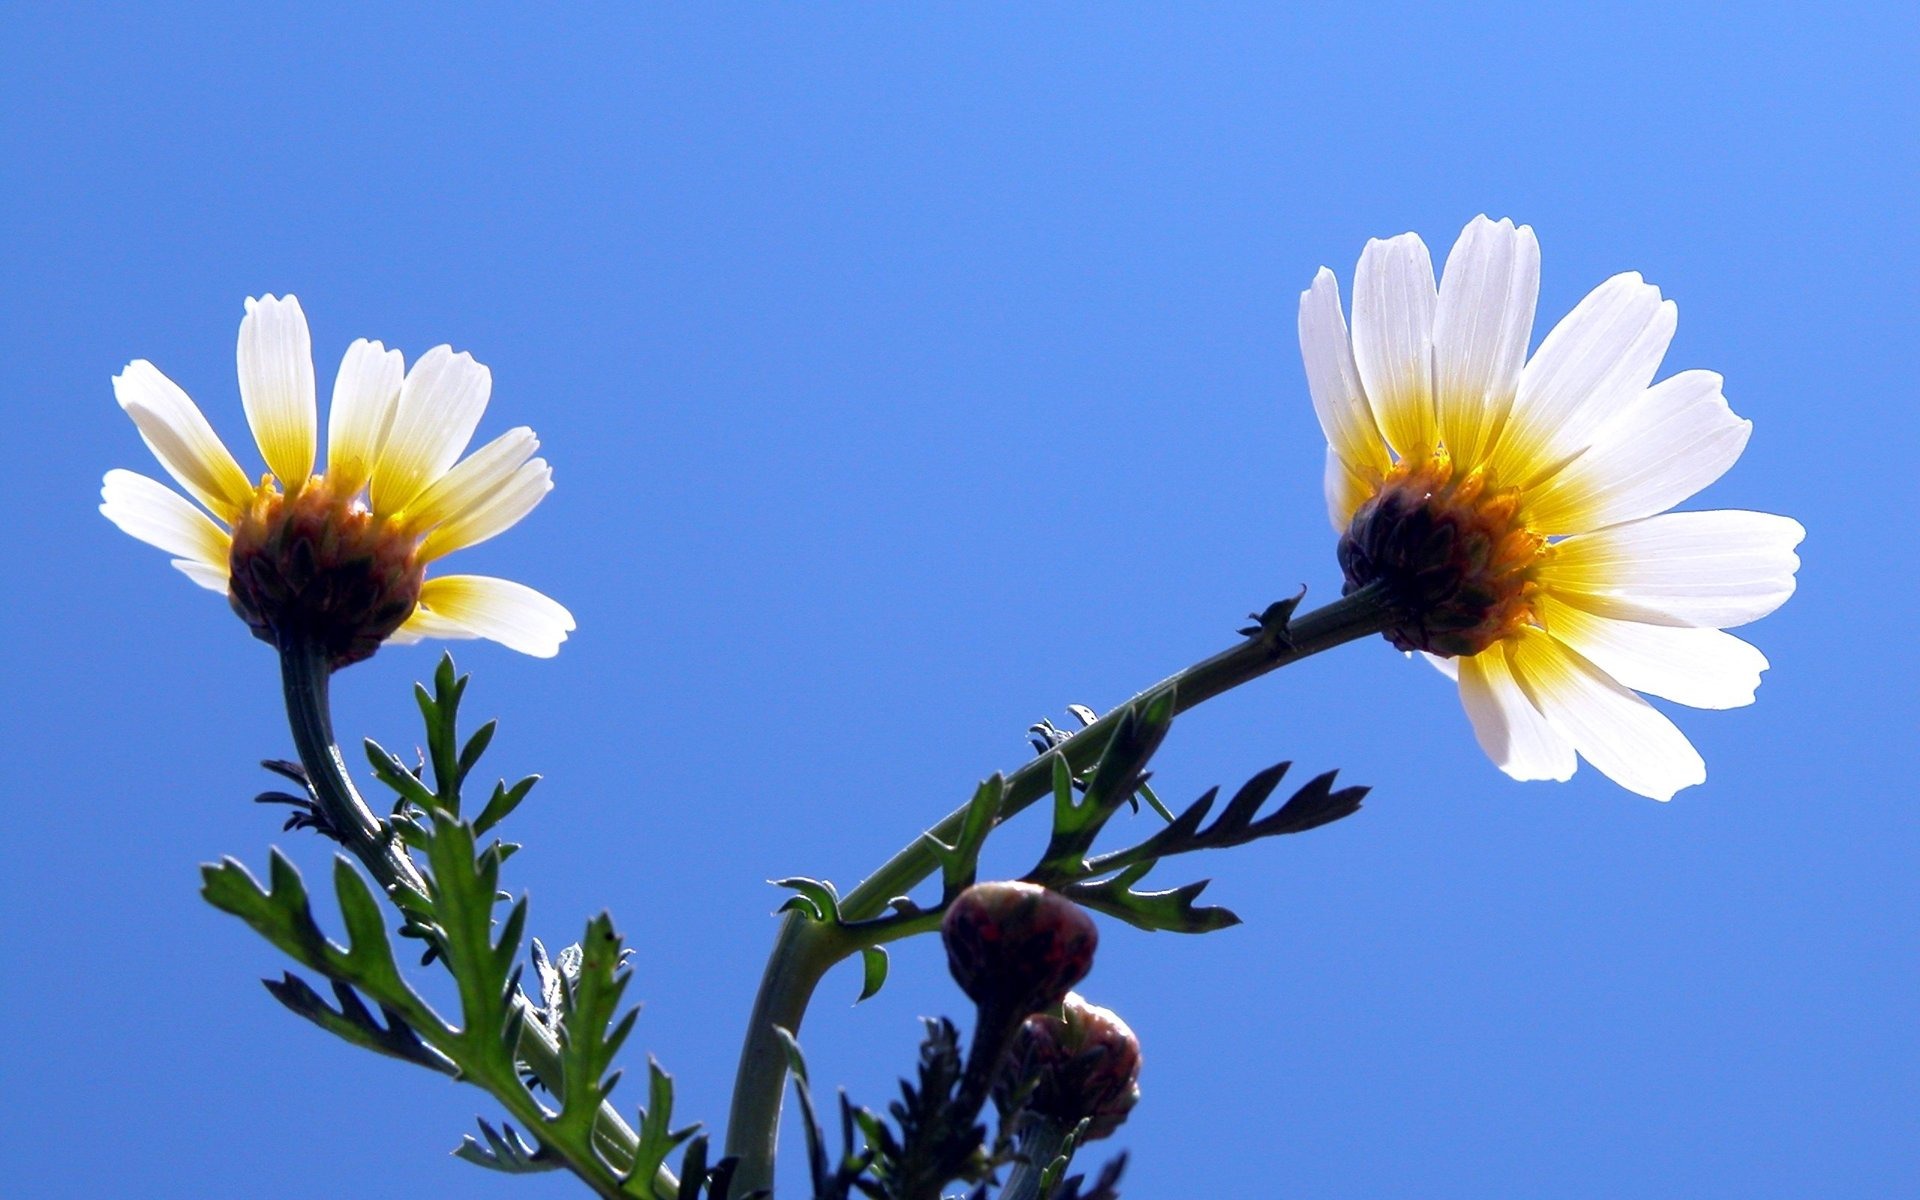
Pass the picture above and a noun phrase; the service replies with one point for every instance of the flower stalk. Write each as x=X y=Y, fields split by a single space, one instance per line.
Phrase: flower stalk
x=805 y=949
x=305 y=673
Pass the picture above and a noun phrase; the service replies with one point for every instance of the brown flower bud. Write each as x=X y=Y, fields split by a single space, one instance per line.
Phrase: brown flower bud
x=1017 y=947
x=1084 y=1063
x=317 y=567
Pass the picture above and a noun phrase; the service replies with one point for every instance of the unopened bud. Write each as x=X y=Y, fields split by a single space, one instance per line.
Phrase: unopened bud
x=1084 y=1065
x=1017 y=947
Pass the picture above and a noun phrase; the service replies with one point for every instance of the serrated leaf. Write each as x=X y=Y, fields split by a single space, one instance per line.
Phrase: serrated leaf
x=389 y=770
x=658 y=1139
x=1173 y=910
x=366 y=926
x=352 y=1021
x=505 y=1151
x=502 y=803
x=1116 y=779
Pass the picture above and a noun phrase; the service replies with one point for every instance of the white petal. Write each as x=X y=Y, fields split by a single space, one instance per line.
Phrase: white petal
x=1716 y=569
x=1450 y=667
x=422 y=624
x=1623 y=736
x=473 y=481
x=1333 y=380
x=178 y=434
x=1701 y=667
x=275 y=358
x=439 y=408
x=1346 y=491
x=160 y=516
x=1678 y=438
x=365 y=393
x=1393 y=303
x=499 y=512
x=512 y=614
x=214 y=579
x=1481 y=326
x=1597 y=360
x=1510 y=729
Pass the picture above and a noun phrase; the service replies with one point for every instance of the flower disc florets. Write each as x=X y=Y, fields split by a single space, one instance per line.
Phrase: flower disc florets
x=1456 y=561
x=317 y=567
x=1084 y=1063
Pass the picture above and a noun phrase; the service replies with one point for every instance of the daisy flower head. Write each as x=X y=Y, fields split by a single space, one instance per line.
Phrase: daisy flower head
x=1512 y=510
x=338 y=559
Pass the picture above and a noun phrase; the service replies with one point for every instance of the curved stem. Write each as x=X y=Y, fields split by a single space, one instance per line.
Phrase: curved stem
x=304 y=676
x=805 y=949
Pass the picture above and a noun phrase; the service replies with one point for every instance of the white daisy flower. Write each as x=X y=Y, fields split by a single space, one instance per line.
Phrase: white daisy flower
x=1514 y=510
x=340 y=558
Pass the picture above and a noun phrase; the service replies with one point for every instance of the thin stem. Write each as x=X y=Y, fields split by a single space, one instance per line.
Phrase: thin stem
x=304 y=677
x=805 y=949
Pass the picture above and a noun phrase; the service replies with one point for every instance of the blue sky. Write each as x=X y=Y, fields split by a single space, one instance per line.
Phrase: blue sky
x=909 y=375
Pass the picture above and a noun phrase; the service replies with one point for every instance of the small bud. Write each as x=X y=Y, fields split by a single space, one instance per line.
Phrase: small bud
x=1017 y=947
x=1084 y=1063
x=314 y=566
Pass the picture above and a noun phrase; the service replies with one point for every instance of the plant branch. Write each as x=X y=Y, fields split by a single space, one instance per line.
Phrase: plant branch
x=806 y=949
x=305 y=675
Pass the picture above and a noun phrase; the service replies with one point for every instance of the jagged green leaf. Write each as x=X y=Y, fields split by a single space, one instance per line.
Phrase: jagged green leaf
x=388 y=769
x=506 y=1151
x=354 y=1022
x=1315 y=804
x=1173 y=909
x=960 y=862
x=658 y=1138
x=1116 y=779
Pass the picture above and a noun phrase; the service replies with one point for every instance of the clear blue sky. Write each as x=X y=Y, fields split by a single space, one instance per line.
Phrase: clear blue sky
x=907 y=376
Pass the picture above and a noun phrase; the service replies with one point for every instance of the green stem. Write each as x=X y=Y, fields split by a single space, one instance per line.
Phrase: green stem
x=304 y=676
x=1041 y=1141
x=805 y=949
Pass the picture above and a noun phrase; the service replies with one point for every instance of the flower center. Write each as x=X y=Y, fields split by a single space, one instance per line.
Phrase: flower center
x=317 y=566
x=1456 y=561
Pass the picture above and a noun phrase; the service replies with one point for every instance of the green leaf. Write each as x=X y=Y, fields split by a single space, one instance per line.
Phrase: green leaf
x=796 y=1060
x=372 y=952
x=1116 y=779
x=1173 y=909
x=475 y=747
x=873 y=971
x=355 y=1023
x=505 y=1151
x=814 y=897
x=502 y=803
x=1317 y=803
x=959 y=863
x=395 y=774
x=658 y=1138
